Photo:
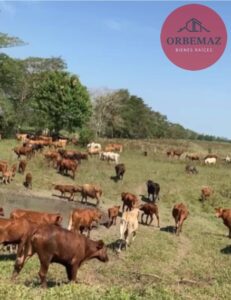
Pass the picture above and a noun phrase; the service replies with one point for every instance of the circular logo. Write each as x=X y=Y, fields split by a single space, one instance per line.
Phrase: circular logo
x=193 y=37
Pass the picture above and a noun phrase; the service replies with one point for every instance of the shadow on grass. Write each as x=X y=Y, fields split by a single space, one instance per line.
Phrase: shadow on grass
x=50 y=283
x=114 y=178
x=170 y=229
x=10 y=256
x=61 y=197
x=114 y=246
x=226 y=250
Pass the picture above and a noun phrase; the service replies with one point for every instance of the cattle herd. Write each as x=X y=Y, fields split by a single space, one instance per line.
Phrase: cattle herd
x=42 y=232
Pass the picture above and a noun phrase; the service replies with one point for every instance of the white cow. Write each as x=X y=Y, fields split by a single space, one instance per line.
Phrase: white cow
x=94 y=146
x=210 y=161
x=110 y=156
x=228 y=159
x=128 y=226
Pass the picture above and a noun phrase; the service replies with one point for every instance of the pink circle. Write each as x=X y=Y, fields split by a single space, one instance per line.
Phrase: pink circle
x=193 y=37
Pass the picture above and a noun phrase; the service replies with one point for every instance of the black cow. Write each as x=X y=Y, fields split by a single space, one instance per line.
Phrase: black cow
x=120 y=170
x=153 y=189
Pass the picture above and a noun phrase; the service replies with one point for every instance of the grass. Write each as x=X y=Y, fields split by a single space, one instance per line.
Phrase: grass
x=158 y=265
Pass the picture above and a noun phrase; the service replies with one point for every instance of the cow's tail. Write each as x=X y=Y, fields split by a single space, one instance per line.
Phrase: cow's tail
x=70 y=222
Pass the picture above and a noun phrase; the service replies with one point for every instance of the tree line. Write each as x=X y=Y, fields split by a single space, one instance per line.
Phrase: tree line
x=38 y=93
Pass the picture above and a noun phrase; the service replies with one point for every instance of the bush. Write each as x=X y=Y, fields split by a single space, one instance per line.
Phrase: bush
x=86 y=136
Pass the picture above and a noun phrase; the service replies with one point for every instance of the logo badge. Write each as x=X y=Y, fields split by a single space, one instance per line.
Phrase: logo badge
x=193 y=37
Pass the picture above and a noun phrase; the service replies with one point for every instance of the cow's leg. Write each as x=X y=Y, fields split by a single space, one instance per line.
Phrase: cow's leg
x=158 y=220
x=147 y=219
x=97 y=200
x=229 y=232
x=44 y=266
x=151 y=219
x=123 y=207
x=114 y=220
x=142 y=221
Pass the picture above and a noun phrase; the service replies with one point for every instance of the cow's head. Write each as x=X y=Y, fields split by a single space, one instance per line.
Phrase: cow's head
x=218 y=212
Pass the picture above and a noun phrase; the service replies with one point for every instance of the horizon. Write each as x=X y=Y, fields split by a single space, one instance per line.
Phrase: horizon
x=116 y=45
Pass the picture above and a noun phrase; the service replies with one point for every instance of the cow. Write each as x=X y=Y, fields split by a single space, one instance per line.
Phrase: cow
x=67 y=189
x=129 y=200
x=21 y=137
x=206 y=192
x=117 y=147
x=22 y=166
x=228 y=159
x=81 y=219
x=128 y=227
x=175 y=152
x=120 y=170
x=13 y=169
x=92 y=191
x=153 y=190
x=94 y=146
x=7 y=176
x=193 y=156
x=93 y=151
x=149 y=209
x=210 y=160
x=180 y=214
x=59 y=245
x=66 y=165
x=225 y=214
x=15 y=232
x=37 y=217
x=191 y=169
x=26 y=151
x=113 y=213
x=28 y=181
x=3 y=166
x=109 y=156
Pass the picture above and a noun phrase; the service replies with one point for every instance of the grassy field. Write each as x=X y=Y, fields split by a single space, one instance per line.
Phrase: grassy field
x=158 y=265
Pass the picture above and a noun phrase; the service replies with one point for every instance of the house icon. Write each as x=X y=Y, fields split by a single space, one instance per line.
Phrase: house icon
x=193 y=25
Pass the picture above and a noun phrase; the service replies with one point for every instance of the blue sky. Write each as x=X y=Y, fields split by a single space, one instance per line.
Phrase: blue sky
x=117 y=45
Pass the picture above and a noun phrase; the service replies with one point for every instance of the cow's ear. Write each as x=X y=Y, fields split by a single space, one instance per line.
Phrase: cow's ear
x=59 y=219
x=100 y=244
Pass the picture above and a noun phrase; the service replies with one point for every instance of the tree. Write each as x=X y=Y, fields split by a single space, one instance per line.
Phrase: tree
x=61 y=101
x=9 y=41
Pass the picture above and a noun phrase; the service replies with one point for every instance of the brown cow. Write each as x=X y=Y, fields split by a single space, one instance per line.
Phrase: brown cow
x=37 y=217
x=225 y=214
x=3 y=166
x=7 y=176
x=22 y=166
x=129 y=200
x=92 y=191
x=150 y=209
x=113 y=213
x=81 y=219
x=26 y=151
x=180 y=214
x=67 y=189
x=28 y=181
x=193 y=156
x=55 y=244
x=206 y=192
x=66 y=165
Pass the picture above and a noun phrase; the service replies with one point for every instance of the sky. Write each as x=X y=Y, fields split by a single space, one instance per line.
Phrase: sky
x=117 y=45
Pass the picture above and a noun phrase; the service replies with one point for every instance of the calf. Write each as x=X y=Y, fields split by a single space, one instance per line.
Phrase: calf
x=149 y=210
x=129 y=200
x=225 y=214
x=55 y=244
x=180 y=214
x=7 y=176
x=22 y=166
x=81 y=219
x=92 y=191
x=206 y=192
x=153 y=189
x=67 y=189
x=191 y=169
x=113 y=213
x=28 y=181
x=128 y=227
x=120 y=170
x=37 y=217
